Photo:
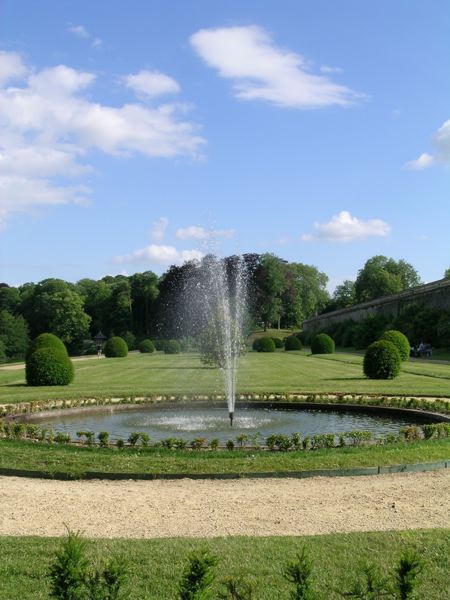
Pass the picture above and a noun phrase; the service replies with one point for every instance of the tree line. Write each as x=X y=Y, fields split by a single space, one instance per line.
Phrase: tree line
x=144 y=305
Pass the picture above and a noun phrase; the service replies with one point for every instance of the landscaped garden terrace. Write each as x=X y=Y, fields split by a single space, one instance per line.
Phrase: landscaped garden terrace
x=332 y=378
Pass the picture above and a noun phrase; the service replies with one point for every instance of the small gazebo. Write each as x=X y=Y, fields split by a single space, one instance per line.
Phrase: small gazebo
x=99 y=339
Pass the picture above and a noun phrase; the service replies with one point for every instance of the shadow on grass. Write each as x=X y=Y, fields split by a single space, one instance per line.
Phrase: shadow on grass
x=344 y=379
x=175 y=368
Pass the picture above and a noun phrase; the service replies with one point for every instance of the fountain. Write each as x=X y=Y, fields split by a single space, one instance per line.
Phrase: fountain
x=223 y=294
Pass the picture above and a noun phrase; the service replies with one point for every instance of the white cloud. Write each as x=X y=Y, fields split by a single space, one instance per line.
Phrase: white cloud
x=262 y=71
x=151 y=84
x=326 y=69
x=193 y=232
x=425 y=160
x=345 y=228
x=158 y=229
x=79 y=31
x=441 y=155
x=158 y=254
x=48 y=127
x=11 y=67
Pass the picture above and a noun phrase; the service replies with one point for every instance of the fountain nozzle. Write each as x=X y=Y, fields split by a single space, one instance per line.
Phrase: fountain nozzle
x=231 y=415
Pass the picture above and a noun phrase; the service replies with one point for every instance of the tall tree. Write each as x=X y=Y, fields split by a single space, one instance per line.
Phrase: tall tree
x=382 y=276
x=14 y=334
x=345 y=294
x=55 y=306
x=144 y=291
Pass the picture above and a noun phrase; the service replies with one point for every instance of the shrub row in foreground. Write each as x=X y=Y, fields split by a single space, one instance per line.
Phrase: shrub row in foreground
x=72 y=577
x=275 y=441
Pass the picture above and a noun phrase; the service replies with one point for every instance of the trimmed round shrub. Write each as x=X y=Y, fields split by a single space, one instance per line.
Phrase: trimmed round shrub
x=172 y=347
x=322 y=344
x=278 y=342
x=399 y=340
x=382 y=360
x=266 y=344
x=292 y=343
x=159 y=344
x=46 y=340
x=146 y=346
x=255 y=344
x=115 y=347
x=47 y=366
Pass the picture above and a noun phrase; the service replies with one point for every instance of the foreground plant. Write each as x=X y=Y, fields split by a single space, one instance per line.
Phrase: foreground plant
x=299 y=572
x=197 y=576
x=72 y=577
x=236 y=589
x=371 y=587
x=409 y=567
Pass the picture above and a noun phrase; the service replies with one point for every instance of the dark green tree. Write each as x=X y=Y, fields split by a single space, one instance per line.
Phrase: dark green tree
x=144 y=291
x=9 y=298
x=382 y=276
x=14 y=334
x=345 y=294
x=55 y=306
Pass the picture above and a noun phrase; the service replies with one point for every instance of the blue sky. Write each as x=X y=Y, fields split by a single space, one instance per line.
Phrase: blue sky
x=131 y=132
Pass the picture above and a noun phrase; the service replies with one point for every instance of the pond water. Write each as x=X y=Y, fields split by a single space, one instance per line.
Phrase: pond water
x=212 y=422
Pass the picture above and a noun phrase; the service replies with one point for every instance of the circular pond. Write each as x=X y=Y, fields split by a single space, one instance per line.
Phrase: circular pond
x=190 y=421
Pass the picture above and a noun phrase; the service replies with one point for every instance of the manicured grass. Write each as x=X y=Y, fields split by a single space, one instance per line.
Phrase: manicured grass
x=155 y=565
x=143 y=374
x=77 y=460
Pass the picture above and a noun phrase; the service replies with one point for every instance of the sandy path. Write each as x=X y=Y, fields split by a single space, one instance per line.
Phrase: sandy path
x=260 y=507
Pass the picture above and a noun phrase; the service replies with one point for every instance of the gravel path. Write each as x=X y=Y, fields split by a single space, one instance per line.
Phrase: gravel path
x=259 y=507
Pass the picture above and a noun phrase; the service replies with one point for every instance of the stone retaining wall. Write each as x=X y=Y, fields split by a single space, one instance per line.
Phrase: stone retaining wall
x=435 y=295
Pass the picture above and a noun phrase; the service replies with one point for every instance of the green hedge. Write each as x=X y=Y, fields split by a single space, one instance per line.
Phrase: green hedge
x=265 y=344
x=49 y=366
x=46 y=340
x=115 y=347
x=382 y=360
x=292 y=343
x=146 y=346
x=278 y=342
x=172 y=347
x=322 y=344
x=399 y=340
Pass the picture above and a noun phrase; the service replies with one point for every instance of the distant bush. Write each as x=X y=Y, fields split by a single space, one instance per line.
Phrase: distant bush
x=159 y=345
x=399 y=340
x=130 y=340
x=266 y=344
x=292 y=343
x=46 y=340
x=369 y=330
x=2 y=352
x=255 y=344
x=382 y=360
x=47 y=366
x=172 y=347
x=115 y=347
x=146 y=346
x=278 y=342
x=322 y=344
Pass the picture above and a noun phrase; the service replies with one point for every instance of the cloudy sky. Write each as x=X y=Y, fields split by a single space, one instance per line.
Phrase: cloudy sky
x=137 y=134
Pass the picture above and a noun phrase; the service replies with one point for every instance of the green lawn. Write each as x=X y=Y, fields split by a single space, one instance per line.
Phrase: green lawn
x=142 y=374
x=75 y=460
x=155 y=565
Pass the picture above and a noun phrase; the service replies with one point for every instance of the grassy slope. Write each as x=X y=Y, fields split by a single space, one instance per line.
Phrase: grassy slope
x=184 y=373
x=155 y=565
x=76 y=460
